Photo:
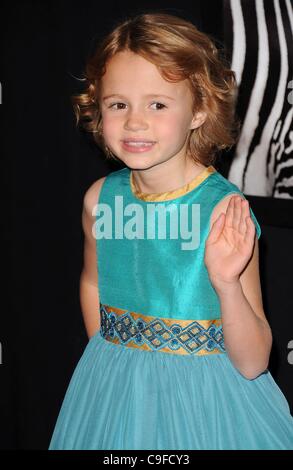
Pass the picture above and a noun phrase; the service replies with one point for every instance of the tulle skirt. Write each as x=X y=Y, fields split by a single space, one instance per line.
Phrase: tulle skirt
x=126 y=398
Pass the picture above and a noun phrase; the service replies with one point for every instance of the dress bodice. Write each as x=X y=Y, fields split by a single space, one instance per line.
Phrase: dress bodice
x=143 y=264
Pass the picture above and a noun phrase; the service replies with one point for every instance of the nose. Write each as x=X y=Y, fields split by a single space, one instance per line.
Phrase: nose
x=135 y=121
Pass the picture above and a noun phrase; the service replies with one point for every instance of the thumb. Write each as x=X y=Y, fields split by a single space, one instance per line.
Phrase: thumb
x=217 y=228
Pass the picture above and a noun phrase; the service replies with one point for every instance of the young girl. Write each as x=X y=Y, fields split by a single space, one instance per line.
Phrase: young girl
x=170 y=290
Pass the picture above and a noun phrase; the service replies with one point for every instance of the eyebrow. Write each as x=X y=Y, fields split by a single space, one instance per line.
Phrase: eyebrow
x=145 y=96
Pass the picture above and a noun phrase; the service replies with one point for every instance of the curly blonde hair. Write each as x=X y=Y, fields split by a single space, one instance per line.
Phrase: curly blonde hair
x=180 y=51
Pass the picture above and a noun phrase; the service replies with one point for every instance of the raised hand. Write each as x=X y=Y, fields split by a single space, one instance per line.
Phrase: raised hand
x=230 y=243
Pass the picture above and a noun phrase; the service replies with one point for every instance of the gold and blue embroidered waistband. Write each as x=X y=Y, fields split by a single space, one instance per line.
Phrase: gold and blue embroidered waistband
x=168 y=335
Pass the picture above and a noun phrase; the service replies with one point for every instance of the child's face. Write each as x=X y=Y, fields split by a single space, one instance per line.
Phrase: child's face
x=146 y=120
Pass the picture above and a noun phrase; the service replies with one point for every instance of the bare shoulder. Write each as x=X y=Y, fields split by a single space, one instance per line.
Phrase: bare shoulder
x=92 y=194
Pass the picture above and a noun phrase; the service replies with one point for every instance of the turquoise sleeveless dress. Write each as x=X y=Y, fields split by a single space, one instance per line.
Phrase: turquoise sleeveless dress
x=156 y=375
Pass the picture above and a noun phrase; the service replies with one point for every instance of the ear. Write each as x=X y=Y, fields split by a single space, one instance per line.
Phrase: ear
x=198 y=119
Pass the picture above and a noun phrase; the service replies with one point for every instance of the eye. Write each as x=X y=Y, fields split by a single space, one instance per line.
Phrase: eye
x=159 y=106
x=117 y=105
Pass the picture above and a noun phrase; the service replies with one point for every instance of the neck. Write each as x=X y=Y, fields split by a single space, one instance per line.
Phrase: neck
x=161 y=178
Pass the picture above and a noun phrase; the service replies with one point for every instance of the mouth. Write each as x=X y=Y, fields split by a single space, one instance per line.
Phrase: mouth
x=137 y=145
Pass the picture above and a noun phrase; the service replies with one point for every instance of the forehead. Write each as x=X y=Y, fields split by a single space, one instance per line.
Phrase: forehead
x=129 y=73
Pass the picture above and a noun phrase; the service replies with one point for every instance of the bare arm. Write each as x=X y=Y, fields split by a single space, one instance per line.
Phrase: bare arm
x=248 y=336
x=89 y=295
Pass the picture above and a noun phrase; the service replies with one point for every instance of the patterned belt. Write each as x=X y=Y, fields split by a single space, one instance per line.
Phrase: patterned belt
x=196 y=337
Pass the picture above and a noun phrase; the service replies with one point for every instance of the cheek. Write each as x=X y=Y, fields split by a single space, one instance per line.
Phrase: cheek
x=172 y=127
x=165 y=125
x=110 y=127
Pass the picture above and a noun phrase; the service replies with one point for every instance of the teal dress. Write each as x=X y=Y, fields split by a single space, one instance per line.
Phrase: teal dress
x=157 y=375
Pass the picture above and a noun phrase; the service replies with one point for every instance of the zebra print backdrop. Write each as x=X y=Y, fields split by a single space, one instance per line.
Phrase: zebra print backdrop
x=259 y=36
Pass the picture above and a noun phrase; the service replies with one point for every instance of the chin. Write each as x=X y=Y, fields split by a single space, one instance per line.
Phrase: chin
x=137 y=163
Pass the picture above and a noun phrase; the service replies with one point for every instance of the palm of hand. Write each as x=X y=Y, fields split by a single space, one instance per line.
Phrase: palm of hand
x=229 y=245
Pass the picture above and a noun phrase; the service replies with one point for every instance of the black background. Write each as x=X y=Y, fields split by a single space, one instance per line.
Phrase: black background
x=47 y=165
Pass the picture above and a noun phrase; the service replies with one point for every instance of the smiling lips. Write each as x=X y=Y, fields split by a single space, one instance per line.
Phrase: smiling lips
x=136 y=145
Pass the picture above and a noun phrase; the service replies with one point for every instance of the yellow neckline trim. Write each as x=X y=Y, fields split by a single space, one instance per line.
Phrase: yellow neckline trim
x=174 y=193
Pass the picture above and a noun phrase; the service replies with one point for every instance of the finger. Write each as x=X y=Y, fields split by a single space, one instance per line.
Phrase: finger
x=217 y=228
x=230 y=213
x=246 y=208
x=250 y=231
x=244 y=214
x=237 y=213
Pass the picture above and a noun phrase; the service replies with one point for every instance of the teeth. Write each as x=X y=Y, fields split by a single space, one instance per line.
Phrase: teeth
x=139 y=144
